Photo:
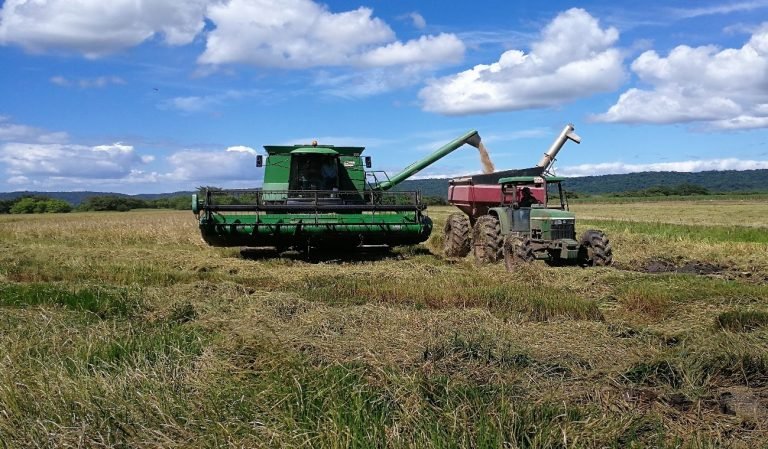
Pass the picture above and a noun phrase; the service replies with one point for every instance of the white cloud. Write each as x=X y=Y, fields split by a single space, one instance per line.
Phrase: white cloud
x=573 y=58
x=18 y=180
x=302 y=33
x=242 y=149
x=204 y=103
x=289 y=33
x=95 y=27
x=725 y=89
x=86 y=83
x=418 y=20
x=726 y=8
x=237 y=163
x=69 y=161
x=13 y=132
x=441 y=49
x=364 y=83
x=681 y=166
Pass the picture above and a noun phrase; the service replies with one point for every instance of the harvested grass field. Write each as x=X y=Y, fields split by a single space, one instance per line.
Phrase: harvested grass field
x=125 y=330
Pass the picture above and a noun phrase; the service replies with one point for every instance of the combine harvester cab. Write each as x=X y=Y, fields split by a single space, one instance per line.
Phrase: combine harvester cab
x=320 y=196
x=495 y=221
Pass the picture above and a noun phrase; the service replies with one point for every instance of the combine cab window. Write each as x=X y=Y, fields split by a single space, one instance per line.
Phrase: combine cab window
x=314 y=172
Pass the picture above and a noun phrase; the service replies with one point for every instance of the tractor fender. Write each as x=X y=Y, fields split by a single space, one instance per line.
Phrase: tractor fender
x=501 y=214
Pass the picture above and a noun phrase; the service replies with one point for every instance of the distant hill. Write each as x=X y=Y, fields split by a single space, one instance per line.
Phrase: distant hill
x=75 y=198
x=714 y=181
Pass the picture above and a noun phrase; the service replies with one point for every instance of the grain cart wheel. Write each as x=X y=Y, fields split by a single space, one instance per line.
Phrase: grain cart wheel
x=487 y=239
x=595 y=249
x=456 y=235
x=516 y=250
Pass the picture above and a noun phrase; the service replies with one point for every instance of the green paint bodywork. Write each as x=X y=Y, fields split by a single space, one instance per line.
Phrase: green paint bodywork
x=552 y=231
x=319 y=196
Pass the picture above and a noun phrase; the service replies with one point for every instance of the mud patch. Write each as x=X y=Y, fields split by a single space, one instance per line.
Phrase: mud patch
x=744 y=403
x=666 y=266
x=658 y=266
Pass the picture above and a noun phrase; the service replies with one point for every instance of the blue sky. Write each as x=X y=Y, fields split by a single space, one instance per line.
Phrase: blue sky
x=163 y=95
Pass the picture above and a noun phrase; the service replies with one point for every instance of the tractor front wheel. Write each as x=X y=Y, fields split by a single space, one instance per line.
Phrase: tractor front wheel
x=517 y=250
x=487 y=240
x=596 y=250
x=456 y=235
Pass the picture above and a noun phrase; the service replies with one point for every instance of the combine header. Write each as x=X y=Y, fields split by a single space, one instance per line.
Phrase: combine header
x=320 y=196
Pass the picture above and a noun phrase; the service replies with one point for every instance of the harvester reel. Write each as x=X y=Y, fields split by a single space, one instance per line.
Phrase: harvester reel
x=456 y=237
x=596 y=250
x=487 y=240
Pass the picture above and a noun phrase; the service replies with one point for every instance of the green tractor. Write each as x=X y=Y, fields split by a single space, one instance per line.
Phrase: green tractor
x=533 y=223
x=521 y=215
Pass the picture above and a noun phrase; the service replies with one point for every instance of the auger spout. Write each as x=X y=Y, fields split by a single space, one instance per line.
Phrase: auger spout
x=549 y=157
x=471 y=138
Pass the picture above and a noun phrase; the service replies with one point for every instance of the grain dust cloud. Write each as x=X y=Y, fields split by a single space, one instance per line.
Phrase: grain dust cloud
x=485 y=158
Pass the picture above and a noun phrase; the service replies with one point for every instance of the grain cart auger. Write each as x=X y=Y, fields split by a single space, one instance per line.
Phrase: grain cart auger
x=520 y=215
x=319 y=196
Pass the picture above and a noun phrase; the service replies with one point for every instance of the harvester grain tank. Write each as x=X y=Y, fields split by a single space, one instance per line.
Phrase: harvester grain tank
x=320 y=196
x=520 y=215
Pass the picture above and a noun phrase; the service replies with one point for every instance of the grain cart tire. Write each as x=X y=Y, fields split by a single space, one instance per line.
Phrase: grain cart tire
x=596 y=250
x=456 y=235
x=487 y=240
x=516 y=250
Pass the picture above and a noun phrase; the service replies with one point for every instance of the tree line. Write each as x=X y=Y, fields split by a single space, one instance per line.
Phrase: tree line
x=38 y=204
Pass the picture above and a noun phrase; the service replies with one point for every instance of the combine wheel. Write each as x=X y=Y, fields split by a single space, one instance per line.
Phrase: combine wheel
x=517 y=250
x=595 y=249
x=487 y=239
x=456 y=235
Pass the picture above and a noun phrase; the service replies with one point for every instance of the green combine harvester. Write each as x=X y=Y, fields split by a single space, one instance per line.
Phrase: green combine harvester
x=320 y=196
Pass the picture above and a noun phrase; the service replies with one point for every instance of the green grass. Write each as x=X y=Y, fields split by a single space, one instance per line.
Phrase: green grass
x=598 y=199
x=123 y=330
x=144 y=345
x=454 y=290
x=742 y=320
x=103 y=302
x=661 y=295
x=698 y=233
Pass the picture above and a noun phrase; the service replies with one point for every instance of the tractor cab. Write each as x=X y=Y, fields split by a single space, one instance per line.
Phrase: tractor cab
x=533 y=192
x=535 y=206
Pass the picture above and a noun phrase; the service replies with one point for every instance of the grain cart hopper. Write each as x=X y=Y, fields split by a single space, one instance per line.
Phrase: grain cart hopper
x=516 y=212
x=319 y=196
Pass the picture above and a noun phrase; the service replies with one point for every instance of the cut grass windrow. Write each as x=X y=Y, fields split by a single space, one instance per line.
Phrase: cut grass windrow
x=523 y=301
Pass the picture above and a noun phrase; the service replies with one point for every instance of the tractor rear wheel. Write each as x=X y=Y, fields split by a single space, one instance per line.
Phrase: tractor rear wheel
x=517 y=250
x=596 y=250
x=456 y=235
x=487 y=240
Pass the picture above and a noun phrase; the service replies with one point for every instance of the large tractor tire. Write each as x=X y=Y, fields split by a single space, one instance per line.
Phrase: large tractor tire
x=457 y=240
x=487 y=240
x=517 y=250
x=596 y=250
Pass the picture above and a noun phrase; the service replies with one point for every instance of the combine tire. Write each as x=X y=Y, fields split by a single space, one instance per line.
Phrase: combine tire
x=517 y=250
x=596 y=249
x=487 y=240
x=456 y=235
